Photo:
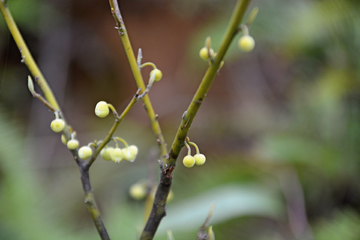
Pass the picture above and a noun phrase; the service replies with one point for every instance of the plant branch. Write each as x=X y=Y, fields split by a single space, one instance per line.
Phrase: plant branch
x=90 y=200
x=120 y=26
x=113 y=129
x=27 y=58
x=38 y=96
x=206 y=83
x=53 y=105
x=159 y=206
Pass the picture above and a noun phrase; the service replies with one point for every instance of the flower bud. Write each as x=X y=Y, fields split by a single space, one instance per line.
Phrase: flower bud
x=63 y=139
x=127 y=155
x=204 y=53
x=199 y=159
x=138 y=191
x=158 y=74
x=130 y=153
x=189 y=161
x=116 y=155
x=72 y=144
x=31 y=85
x=57 y=125
x=134 y=150
x=246 y=43
x=102 y=109
x=106 y=153
x=85 y=152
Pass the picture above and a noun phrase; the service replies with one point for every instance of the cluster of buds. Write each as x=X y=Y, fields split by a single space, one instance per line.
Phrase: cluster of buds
x=117 y=154
x=246 y=43
x=189 y=160
x=84 y=152
x=58 y=125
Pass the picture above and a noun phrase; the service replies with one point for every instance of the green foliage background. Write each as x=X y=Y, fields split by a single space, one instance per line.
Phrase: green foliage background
x=288 y=110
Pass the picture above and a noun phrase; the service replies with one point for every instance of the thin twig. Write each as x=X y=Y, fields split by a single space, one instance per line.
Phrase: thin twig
x=90 y=202
x=51 y=103
x=38 y=96
x=27 y=58
x=206 y=83
x=120 y=26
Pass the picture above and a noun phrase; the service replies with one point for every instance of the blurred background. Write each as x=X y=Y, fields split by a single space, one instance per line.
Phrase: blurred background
x=280 y=126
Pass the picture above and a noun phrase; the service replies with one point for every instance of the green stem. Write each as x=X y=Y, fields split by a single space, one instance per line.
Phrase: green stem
x=112 y=108
x=123 y=141
x=51 y=101
x=188 y=148
x=244 y=29
x=27 y=57
x=137 y=75
x=148 y=64
x=196 y=147
x=31 y=64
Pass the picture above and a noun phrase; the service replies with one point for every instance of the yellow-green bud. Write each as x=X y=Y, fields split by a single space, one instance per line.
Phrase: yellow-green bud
x=127 y=155
x=63 y=139
x=133 y=149
x=189 y=161
x=72 y=144
x=31 y=85
x=102 y=109
x=138 y=191
x=85 y=152
x=105 y=153
x=57 y=125
x=246 y=43
x=116 y=155
x=204 y=53
x=199 y=159
x=130 y=153
x=158 y=74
